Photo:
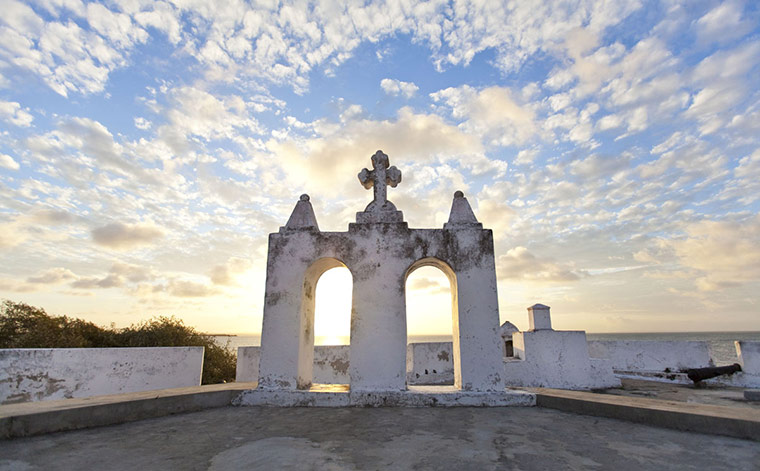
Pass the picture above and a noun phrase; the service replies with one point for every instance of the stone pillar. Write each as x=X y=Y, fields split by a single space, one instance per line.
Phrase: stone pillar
x=281 y=327
x=480 y=352
x=378 y=328
x=539 y=318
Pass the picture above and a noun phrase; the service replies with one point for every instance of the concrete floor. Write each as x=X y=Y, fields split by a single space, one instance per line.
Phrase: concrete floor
x=233 y=438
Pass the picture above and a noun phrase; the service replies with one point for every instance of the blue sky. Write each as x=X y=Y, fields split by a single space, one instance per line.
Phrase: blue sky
x=149 y=147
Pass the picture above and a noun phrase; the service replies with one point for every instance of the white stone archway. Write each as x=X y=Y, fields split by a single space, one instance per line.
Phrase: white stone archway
x=380 y=250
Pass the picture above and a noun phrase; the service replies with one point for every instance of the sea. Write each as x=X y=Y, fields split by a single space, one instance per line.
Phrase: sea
x=721 y=344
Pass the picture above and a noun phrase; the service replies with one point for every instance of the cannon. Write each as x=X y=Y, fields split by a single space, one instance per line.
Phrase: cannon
x=698 y=374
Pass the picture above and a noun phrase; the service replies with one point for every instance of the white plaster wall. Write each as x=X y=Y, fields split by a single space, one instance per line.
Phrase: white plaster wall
x=247 y=365
x=378 y=256
x=749 y=359
x=429 y=363
x=651 y=355
x=749 y=356
x=331 y=365
x=61 y=373
x=556 y=359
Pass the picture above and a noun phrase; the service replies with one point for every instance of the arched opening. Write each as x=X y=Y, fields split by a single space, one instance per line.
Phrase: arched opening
x=332 y=312
x=432 y=354
x=325 y=324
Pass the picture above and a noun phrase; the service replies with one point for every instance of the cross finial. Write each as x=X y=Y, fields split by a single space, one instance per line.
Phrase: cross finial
x=378 y=178
x=381 y=175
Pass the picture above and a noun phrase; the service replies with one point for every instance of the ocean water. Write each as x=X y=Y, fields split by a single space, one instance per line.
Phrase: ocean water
x=721 y=344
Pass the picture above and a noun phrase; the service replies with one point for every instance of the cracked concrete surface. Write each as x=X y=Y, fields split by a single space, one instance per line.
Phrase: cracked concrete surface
x=386 y=438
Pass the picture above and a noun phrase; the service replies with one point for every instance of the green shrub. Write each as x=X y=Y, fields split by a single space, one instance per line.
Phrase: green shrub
x=25 y=326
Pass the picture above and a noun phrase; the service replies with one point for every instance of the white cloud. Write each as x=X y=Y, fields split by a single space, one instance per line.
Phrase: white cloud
x=225 y=274
x=142 y=123
x=190 y=289
x=52 y=276
x=723 y=23
x=726 y=252
x=122 y=236
x=396 y=87
x=340 y=152
x=492 y=114
x=7 y=162
x=519 y=263
x=12 y=112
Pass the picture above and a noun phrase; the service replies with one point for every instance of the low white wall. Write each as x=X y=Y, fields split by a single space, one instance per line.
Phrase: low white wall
x=247 y=365
x=651 y=355
x=426 y=363
x=749 y=356
x=749 y=359
x=61 y=373
x=330 y=364
x=429 y=363
x=556 y=359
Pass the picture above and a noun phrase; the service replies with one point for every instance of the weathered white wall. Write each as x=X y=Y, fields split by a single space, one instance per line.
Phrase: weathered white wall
x=247 y=365
x=330 y=364
x=749 y=356
x=556 y=359
x=749 y=359
x=651 y=355
x=379 y=256
x=429 y=363
x=60 y=373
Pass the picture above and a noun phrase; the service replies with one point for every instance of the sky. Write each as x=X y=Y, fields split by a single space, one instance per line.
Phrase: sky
x=149 y=147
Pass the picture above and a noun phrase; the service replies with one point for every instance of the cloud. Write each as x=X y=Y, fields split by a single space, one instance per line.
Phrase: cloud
x=7 y=162
x=492 y=114
x=519 y=263
x=52 y=276
x=424 y=283
x=339 y=152
x=109 y=281
x=122 y=236
x=726 y=252
x=117 y=277
x=142 y=123
x=12 y=112
x=190 y=289
x=396 y=87
x=723 y=23
x=52 y=217
x=133 y=273
x=225 y=274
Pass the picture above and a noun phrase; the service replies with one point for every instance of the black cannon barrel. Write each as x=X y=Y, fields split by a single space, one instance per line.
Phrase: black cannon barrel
x=698 y=374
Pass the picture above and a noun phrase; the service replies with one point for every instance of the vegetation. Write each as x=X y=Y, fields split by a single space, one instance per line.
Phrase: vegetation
x=25 y=326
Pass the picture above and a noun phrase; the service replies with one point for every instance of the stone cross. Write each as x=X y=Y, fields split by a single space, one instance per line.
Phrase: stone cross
x=379 y=178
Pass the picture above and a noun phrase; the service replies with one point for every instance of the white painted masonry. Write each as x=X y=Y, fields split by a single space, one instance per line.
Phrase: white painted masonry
x=748 y=354
x=554 y=359
x=330 y=364
x=651 y=355
x=59 y=373
x=429 y=363
x=380 y=250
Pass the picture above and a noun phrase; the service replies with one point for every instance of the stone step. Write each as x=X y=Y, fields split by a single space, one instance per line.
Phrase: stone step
x=34 y=418
x=702 y=418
